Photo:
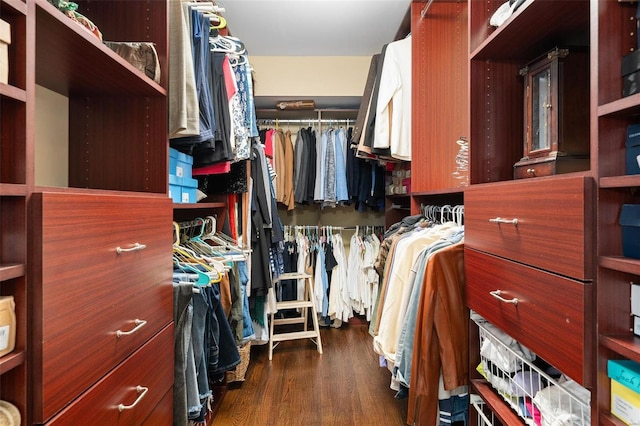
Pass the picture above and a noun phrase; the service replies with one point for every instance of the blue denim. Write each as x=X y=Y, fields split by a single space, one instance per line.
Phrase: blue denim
x=200 y=28
x=325 y=281
x=454 y=409
x=247 y=332
x=223 y=352
x=185 y=381
x=200 y=309
x=342 y=193
x=251 y=106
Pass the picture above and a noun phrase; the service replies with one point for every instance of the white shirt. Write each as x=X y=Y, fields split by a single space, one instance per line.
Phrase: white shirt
x=393 y=110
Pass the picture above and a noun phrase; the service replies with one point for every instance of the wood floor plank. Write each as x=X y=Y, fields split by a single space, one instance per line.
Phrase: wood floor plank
x=343 y=386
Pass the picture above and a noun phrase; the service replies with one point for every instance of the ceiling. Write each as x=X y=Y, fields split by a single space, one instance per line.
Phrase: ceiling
x=314 y=28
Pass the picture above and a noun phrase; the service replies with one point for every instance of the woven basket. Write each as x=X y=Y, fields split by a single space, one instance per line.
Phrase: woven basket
x=237 y=375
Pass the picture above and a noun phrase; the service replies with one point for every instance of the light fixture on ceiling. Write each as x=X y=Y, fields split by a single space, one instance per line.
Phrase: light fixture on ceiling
x=295 y=105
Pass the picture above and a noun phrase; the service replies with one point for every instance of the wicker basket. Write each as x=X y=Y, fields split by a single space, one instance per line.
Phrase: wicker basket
x=237 y=375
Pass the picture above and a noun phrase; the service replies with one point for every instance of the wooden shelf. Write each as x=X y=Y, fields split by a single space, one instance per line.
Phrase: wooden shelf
x=18 y=6
x=13 y=190
x=12 y=92
x=66 y=58
x=11 y=361
x=536 y=26
x=625 y=345
x=620 y=263
x=629 y=105
x=11 y=270
x=194 y=206
x=626 y=181
x=506 y=415
x=608 y=419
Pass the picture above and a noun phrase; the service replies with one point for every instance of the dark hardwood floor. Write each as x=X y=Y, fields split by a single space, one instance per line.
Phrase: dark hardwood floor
x=343 y=386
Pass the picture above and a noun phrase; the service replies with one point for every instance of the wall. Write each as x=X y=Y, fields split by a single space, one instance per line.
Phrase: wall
x=310 y=75
x=51 y=138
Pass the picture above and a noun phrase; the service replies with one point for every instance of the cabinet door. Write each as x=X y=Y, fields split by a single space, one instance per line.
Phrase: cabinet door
x=547 y=223
x=97 y=305
x=129 y=394
x=536 y=308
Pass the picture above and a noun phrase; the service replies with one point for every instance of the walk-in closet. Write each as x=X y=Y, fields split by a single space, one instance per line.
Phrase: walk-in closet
x=332 y=213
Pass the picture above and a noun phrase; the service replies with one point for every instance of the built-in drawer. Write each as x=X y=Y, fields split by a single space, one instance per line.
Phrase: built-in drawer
x=95 y=301
x=130 y=393
x=544 y=222
x=543 y=311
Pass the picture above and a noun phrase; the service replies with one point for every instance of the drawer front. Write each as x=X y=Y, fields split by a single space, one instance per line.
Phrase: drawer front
x=98 y=305
x=549 y=309
x=554 y=226
x=120 y=398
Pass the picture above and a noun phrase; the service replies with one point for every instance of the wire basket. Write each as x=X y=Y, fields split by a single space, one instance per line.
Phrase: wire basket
x=238 y=374
x=537 y=397
x=484 y=416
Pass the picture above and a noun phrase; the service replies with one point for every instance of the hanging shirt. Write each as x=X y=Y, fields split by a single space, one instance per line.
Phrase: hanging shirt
x=393 y=111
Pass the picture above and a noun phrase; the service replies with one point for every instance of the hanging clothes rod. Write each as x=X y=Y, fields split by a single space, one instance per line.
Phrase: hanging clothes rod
x=311 y=120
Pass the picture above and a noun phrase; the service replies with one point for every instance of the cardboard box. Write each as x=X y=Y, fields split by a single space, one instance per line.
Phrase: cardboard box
x=630 y=224
x=635 y=299
x=625 y=385
x=5 y=41
x=625 y=403
x=632 y=148
x=7 y=325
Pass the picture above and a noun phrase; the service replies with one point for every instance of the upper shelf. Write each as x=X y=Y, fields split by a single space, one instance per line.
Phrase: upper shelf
x=72 y=61
x=536 y=26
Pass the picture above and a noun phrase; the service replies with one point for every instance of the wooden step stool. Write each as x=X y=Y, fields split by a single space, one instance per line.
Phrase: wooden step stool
x=305 y=304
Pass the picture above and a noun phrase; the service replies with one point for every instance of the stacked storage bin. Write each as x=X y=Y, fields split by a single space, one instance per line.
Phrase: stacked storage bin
x=182 y=186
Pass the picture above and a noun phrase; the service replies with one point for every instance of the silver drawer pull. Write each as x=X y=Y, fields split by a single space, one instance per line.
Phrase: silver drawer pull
x=142 y=392
x=514 y=222
x=139 y=324
x=497 y=295
x=136 y=247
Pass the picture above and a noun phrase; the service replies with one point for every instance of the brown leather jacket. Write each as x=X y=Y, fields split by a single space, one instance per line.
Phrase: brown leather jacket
x=441 y=337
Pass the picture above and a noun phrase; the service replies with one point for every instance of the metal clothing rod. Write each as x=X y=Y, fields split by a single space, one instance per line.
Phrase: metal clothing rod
x=311 y=120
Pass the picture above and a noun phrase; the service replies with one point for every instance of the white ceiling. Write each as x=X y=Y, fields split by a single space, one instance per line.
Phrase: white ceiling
x=314 y=28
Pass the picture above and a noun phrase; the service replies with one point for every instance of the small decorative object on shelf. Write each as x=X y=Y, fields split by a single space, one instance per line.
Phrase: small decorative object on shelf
x=556 y=114
x=461 y=174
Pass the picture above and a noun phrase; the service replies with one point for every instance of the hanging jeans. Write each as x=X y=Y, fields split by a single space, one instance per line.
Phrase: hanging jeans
x=199 y=331
x=223 y=353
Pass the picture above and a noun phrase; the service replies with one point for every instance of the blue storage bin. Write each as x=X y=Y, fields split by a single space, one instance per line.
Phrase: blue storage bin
x=180 y=164
x=632 y=147
x=175 y=188
x=626 y=372
x=189 y=188
x=630 y=223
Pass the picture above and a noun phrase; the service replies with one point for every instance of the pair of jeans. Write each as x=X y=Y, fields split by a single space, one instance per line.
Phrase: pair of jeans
x=222 y=351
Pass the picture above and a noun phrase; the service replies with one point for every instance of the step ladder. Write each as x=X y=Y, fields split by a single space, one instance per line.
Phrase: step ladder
x=305 y=304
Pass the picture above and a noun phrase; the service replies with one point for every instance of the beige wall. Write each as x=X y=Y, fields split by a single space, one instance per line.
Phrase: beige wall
x=310 y=75
x=51 y=138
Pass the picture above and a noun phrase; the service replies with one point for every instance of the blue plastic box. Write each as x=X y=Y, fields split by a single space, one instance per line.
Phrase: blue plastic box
x=180 y=164
x=625 y=372
x=175 y=188
x=189 y=189
x=630 y=223
x=632 y=147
